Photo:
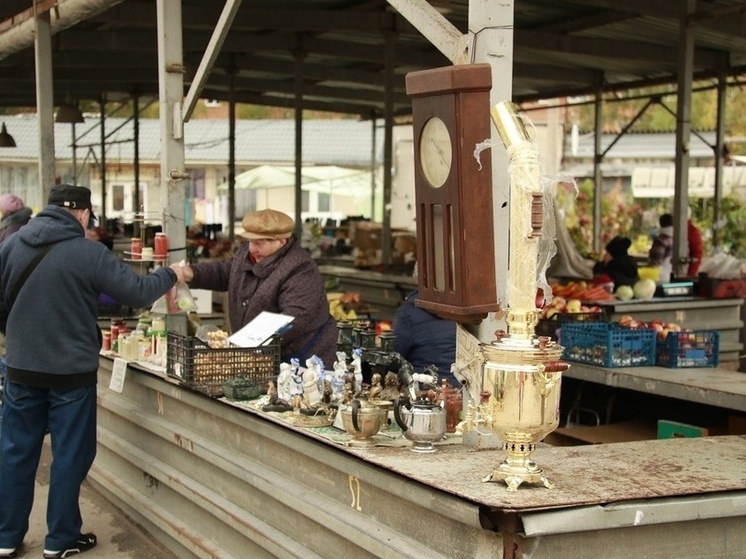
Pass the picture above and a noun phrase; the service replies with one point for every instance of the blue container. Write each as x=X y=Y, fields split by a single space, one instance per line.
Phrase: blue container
x=698 y=348
x=608 y=345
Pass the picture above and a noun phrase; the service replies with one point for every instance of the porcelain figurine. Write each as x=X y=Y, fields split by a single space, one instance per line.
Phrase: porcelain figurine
x=286 y=386
x=311 y=379
x=297 y=375
x=339 y=376
x=357 y=368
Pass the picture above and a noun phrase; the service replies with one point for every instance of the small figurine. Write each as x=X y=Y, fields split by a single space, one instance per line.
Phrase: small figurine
x=311 y=377
x=391 y=387
x=338 y=379
x=297 y=376
x=357 y=369
x=274 y=403
x=349 y=391
x=405 y=372
x=375 y=387
x=286 y=386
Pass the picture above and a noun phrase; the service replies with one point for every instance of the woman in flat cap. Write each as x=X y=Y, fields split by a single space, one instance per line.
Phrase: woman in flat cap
x=273 y=273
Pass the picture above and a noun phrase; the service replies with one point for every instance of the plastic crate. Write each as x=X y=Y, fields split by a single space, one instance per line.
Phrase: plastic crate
x=206 y=369
x=608 y=345
x=698 y=348
x=550 y=326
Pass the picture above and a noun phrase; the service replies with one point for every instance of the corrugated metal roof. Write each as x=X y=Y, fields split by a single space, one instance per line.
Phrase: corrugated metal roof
x=560 y=48
x=642 y=146
x=332 y=142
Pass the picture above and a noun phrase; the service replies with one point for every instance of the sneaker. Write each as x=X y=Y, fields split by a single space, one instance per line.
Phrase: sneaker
x=85 y=542
x=8 y=552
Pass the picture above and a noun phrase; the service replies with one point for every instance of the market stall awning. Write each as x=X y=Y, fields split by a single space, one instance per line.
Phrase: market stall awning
x=342 y=181
x=658 y=182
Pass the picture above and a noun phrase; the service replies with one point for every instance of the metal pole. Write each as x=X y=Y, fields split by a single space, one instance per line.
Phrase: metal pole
x=598 y=179
x=683 y=139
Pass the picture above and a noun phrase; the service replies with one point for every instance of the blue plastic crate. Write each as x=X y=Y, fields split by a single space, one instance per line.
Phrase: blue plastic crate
x=698 y=348
x=552 y=326
x=608 y=345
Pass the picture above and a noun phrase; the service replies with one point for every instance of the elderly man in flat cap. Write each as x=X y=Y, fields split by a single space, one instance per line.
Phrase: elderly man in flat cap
x=50 y=279
x=273 y=273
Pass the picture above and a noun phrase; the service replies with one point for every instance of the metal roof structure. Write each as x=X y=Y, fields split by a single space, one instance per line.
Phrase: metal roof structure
x=339 y=47
x=343 y=142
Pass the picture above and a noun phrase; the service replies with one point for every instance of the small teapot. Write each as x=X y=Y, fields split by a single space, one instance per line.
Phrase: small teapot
x=363 y=419
x=422 y=422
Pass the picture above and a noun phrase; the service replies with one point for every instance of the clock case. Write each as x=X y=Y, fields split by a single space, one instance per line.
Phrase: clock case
x=455 y=234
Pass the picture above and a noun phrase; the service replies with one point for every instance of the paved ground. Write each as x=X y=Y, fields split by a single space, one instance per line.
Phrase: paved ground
x=118 y=536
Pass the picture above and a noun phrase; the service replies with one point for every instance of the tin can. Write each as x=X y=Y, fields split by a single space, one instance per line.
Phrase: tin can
x=136 y=248
x=160 y=246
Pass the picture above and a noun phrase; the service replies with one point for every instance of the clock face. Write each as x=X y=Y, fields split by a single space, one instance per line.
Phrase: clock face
x=436 y=152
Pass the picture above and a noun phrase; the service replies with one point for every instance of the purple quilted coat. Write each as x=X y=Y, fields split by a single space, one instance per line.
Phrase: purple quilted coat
x=288 y=282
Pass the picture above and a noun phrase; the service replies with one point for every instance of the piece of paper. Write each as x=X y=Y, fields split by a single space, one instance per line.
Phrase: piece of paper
x=468 y=366
x=261 y=329
x=118 y=374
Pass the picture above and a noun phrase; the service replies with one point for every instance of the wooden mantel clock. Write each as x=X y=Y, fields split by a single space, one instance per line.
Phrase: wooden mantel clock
x=455 y=240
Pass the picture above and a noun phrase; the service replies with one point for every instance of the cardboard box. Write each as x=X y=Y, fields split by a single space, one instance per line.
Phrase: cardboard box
x=625 y=431
x=366 y=235
x=737 y=424
x=203 y=299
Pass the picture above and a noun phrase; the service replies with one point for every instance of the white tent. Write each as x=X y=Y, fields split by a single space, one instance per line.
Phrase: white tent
x=322 y=178
x=349 y=190
x=658 y=182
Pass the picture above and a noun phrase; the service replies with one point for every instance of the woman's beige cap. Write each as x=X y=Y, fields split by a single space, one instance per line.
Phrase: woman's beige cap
x=267 y=224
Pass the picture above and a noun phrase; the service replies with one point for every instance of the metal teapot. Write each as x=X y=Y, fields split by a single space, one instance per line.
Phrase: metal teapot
x=421 y=422
x=362 y=419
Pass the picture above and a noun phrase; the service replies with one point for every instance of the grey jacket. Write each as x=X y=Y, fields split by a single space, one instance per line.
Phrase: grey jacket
x=288 y=282
x=52 y=333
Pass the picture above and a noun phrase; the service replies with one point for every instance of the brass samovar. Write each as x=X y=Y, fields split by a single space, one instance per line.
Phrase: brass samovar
x=522 y=373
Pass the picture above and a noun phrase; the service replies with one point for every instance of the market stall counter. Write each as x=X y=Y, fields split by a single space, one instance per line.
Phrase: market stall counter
x=214 y=478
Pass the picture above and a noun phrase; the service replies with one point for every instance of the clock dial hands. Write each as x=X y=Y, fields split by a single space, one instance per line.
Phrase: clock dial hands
x=436 y=157
x=446 y=161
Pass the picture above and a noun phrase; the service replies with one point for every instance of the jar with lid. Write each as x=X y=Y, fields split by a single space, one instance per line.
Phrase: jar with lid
x=158 y=325
x=106 y=341
x=136 y=248
x=144 y=323
x=160 y=246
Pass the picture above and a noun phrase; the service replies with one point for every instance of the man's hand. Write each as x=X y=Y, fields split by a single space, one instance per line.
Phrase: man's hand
x=183 y=272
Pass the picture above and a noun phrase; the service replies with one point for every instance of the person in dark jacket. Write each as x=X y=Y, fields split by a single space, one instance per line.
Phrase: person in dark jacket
x=14 y=215
x=617 y=264
x=52 y=353
x=273 y=273
x=425 y=339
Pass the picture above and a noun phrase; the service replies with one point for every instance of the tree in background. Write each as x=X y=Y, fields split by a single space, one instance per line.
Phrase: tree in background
x=620 y=215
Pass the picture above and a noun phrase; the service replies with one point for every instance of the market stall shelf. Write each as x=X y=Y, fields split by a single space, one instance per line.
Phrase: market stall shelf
x=209 y=478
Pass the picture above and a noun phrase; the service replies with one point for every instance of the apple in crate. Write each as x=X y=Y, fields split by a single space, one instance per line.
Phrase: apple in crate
x=628 y=322
x=558 y=303
x=573 y=305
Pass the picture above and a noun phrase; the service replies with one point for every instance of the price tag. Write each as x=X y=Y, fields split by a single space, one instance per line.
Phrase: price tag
x=118 y=372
